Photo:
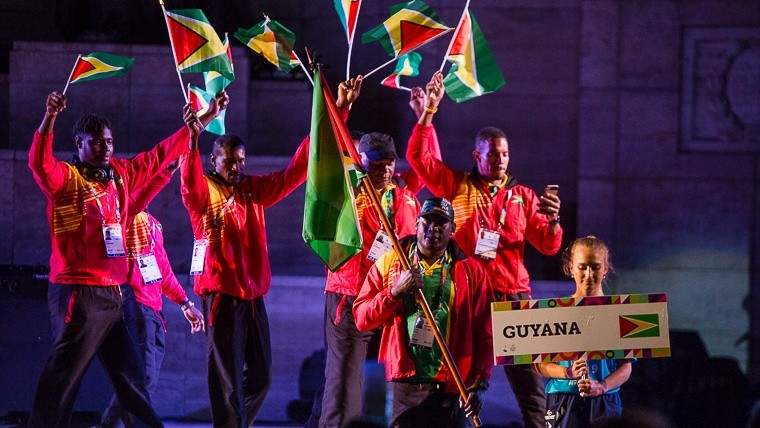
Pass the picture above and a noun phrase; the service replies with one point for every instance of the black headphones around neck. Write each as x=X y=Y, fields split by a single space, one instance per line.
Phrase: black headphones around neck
x=92 y=173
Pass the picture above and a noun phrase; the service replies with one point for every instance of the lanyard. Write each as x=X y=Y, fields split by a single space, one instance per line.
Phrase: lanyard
x=445 y=264
x=389 y=211
x=100 y=204
x=482 y=209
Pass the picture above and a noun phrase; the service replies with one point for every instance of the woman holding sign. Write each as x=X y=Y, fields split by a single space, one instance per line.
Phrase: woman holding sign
x=580 y=392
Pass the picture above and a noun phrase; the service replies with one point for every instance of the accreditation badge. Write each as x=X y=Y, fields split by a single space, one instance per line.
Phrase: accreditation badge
x=114 y=240
x=422 y=335
x=149 y=268
x=381 y=245
x=199 y=255
x=488 y=242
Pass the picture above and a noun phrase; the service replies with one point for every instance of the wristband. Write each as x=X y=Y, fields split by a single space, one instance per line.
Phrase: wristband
x=431 y=110
x=555 y=221
x=569 y=372
x=186 y=305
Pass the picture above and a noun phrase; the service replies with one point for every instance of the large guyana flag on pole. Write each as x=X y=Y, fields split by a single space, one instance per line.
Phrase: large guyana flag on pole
x=195 y=44
x=474 y=70
x=330 y=220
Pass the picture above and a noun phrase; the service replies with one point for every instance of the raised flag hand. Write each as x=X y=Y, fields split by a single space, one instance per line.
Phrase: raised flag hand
x=348 y=91
x=434 y=91
x=417 y=100
x=193 y=124
x=56 y=103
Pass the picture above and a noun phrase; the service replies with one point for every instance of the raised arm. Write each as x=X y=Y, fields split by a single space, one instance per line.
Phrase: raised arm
x=49 y=173
x=193 y=187
x=441 y=180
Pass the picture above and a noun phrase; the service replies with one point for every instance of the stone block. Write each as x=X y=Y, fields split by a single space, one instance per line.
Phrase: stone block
x=682 y=224
x=719 y=90
x=599 y=45
x=597 y=133
x=596 y=208
x=649 y=44
x=7 y=206
x=649 y=143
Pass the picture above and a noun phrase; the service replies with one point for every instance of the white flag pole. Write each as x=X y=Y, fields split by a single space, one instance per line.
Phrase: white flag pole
x=451 y=43
x=174 y=53
x=71 y=74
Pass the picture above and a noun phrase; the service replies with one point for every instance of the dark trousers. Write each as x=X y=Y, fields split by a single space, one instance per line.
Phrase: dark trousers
x=88 y=322
x=574 y=411
x=340 y=401
x=528 y=387
x=146 y=329
x=239 y=358
x=417 y=405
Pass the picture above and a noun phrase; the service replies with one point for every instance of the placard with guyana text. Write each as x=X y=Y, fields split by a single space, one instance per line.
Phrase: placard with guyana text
x=566 y=329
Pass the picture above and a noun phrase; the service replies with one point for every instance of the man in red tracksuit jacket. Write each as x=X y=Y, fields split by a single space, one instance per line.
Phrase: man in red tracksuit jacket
x=495 y=217
x=231 y=266
x=457 y=290
x=88 y=208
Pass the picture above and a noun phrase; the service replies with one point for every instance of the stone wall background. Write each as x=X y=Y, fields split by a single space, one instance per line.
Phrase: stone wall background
x=643 y=111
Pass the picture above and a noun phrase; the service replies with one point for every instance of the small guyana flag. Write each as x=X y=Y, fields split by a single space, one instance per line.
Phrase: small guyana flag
x=407 y=65
x=474 y=71
x=410 y=26
x=271 y=40
x=641 y=325
x=195 y=44
x=98 y=65
x=348 y=12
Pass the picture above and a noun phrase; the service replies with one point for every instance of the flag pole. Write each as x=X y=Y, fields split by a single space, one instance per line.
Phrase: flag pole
x=451 y=43
x=71 y=74
x=411 y=50
x=351 y=40
x=174 y=54
x=418 y=294
x=303 y=67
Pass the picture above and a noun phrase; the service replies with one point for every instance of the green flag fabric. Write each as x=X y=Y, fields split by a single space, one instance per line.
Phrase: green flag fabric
x=330 y=221
x=474 y=70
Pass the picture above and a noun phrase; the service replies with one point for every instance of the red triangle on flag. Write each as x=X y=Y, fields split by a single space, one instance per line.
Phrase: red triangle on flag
x=462 y=37
x=81 y=68
x=186 y=41
x=626 y=326
x=413 y=34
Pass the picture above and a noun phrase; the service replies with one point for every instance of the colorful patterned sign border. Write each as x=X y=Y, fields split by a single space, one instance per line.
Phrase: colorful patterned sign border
x=564 y=302
x=589 y=355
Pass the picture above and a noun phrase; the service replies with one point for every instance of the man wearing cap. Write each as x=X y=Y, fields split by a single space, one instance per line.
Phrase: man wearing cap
x=346 y=346
x=495 y=218
x=457 y=291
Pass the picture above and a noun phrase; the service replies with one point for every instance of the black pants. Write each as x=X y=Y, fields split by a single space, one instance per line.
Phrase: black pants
x=88 y=322
x=340 y=401
x=147 y=331
x=417 y=405
x=574 y=411
x=528 y=387
x=239 y=358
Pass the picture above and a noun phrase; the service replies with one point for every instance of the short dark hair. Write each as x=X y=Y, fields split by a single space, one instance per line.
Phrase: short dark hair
x=90 y=124
x=230 y=141
x=488 y=133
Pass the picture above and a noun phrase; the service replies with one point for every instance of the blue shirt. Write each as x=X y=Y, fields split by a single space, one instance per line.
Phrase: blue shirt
x=598 y=370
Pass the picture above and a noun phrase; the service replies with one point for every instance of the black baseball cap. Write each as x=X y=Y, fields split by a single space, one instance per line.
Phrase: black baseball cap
x=439 y=206
x=377 y=146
